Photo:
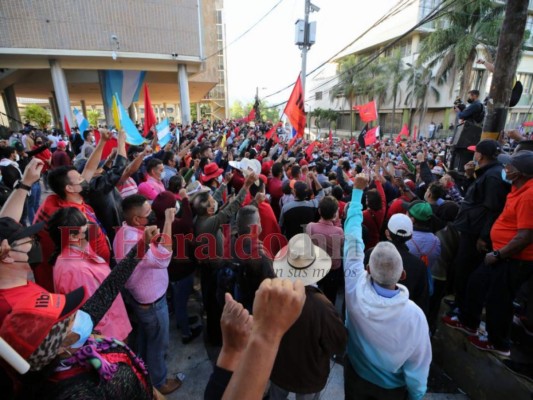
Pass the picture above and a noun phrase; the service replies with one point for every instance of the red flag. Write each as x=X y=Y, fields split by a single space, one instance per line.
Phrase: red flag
x=272 y=130
x=371 y=136
x=367 y=111
x=294 y=110
x=67 y=126
x=309 y=150
x=403 y=132
x=149 y=114
x=414 y=133
x=330 y=137
x=251 y=116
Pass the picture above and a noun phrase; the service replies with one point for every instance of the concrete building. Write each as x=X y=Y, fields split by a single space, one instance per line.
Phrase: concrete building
x=60 y=52
x=439 y=111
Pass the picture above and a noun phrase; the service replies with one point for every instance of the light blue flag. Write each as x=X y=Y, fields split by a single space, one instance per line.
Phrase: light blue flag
x=83 y=124
x=163 y=132
x=126 y=84
x=132 y=134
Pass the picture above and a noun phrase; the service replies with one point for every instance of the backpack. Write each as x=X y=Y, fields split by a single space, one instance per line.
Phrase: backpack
x=425 y=259
x=479 y=117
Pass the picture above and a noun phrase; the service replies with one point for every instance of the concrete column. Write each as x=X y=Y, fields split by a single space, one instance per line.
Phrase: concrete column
x=198 y=112
x=12 y=108
x=61 y=91
x=165 y=111
x=55 y=113
x=83 y=108
x=107 y=107
x=185 y=106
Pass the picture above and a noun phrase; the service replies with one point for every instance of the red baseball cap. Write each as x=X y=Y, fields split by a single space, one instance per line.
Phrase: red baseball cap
x=33 y=318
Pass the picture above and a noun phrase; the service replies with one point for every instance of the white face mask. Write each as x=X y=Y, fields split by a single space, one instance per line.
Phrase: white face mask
x=17 y=157
x=220 y=178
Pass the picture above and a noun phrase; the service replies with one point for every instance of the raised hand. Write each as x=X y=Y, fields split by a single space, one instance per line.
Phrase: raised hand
x=278 y=304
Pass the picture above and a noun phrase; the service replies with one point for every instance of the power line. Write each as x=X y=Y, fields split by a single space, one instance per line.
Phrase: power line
x=433 y=14
x=391 y=12
x=246 y=31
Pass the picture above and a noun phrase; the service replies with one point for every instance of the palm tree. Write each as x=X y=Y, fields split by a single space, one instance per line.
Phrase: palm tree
x=395 y=70
x=454 y=47
x=347 y=86
x=420 y=85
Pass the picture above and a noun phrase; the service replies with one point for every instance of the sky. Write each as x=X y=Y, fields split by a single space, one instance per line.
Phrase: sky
x=267 y=58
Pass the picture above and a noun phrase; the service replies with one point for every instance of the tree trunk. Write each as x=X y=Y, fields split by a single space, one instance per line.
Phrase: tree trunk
x=507 y=57
x=393 y=125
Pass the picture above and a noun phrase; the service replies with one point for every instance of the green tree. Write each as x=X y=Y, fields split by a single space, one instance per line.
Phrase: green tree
x=420 y=85
x=268 y=113
x=331 y=116
x=318 y=115
x=348 y=84
x=237 y=110
x=38 y=115
x=454 y=47
x=93 y=116
x=395 y=70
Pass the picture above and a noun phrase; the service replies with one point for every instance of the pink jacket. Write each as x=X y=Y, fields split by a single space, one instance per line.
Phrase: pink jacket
x=75 y=268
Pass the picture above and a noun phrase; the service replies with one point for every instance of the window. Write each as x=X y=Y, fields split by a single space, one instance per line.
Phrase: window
x=529 y=29
x=527 y=81
x=318 y=96
x=426 y=6
x=219 y=16
x=478 y=79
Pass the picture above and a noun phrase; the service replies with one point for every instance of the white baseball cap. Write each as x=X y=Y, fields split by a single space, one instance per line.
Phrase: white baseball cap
x=400 y=225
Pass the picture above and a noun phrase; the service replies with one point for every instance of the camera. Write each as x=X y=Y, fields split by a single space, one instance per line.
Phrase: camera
x=458 y=103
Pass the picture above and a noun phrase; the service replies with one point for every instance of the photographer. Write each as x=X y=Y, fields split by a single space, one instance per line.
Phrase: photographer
x=474 y=113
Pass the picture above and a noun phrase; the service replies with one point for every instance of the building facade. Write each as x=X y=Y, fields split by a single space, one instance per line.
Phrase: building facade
x=60 y=51
x=439 y=108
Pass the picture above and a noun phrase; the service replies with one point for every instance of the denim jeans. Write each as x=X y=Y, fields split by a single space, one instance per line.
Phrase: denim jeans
x=153 y=338
x=181 y=291
x=33 y=201
x=277 y=393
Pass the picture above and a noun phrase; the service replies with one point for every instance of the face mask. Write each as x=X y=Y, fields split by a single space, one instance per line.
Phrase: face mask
x=35 y=256
x=83 y=326
x=84 y=189
x=315 y=156
x=152 y=219
x=220 y=178
x=17 y=157
x=504 y=177
x=470 y=101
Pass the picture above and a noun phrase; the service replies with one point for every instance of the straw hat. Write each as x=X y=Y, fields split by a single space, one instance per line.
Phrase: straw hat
x=301 y=259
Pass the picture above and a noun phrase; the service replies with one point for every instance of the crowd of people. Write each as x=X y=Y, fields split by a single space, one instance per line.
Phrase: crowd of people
x=304 y=252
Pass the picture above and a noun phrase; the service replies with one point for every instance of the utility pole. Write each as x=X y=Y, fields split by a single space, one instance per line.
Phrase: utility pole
x=305 y=37
x=306 y=44
x=505 y=66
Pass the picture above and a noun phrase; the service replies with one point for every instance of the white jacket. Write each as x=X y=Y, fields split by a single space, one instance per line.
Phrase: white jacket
x=388 y=338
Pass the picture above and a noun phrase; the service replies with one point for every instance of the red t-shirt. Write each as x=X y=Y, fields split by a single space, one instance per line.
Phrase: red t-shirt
x=9 y=297
x=516 y=215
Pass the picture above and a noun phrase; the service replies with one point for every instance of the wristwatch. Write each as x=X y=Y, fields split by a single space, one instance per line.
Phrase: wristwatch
x=20 y=185
x=496 y=253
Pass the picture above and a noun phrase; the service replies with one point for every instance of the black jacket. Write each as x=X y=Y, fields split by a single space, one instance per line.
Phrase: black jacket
x=483 y=202
x=302 y=362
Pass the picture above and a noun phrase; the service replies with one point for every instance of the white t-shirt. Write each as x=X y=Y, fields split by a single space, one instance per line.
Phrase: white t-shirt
x=53 y=139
